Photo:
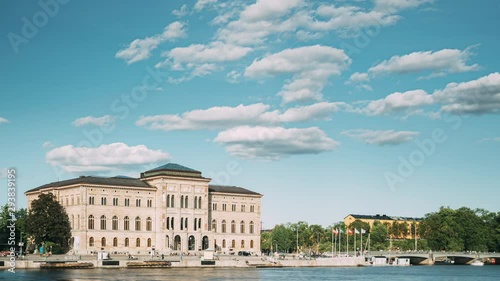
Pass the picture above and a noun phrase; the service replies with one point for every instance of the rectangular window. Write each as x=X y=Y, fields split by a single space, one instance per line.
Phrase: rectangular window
x=127 y=202
x=224 y=207
x=233 y=207
x=137 y=202
x=242 y=208
x=214 y=207
x=91 y=200
x=150 y=203
x=115 y=201
x=103 y=200
x=252 y=208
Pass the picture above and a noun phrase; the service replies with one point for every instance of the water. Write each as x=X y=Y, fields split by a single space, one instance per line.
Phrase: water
x=288 y=274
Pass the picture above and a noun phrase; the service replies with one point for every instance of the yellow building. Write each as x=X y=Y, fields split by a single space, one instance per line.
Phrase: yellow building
x=386 y=220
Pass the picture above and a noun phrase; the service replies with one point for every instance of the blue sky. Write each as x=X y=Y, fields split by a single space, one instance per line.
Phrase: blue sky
x=325 y=107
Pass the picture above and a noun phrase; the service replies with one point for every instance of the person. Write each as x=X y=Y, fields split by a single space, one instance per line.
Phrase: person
x=162 y=256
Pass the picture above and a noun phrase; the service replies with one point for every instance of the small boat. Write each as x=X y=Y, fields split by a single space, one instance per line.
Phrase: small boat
x=477 y=263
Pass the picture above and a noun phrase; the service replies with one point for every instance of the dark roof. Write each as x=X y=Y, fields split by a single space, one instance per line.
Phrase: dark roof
x=173 y=167
x=231 y=189
x=116 y=181
x=383 y=217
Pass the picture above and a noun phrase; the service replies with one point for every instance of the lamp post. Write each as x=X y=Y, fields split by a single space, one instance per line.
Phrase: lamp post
x=297 y=250
x=21 y=244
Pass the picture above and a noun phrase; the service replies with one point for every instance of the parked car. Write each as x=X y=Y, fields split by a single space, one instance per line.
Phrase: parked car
x=243 y=253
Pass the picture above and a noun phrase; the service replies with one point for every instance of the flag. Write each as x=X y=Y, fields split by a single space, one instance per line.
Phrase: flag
x=363 y=231
x=335 y=231
x=349 y=231
x=356 y=231
x=341 y=231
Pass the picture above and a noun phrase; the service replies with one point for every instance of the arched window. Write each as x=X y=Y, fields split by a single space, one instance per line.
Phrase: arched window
x=103 y=222
x=137 y=223
x=214 y=225
x=172 y=223
x=72 y=222
x=182 y=223
x=91 y=242
x=191 y=243
x=242 y=244
x=233 y=227
x=172 y=201
x=186 y=223
x=194 y=226
x=168 y=223
x=103 y=242
x=233 y=244
x=199 y=223
x=91 y=222
x=195 y=205
x=126 y=242
x=199 y=202
x=251 y=227
x=182 y=201
x=223 y=226
x=149 y=242
x=251 y=244
x=138 y=242
x=115 y=242
x=168 y=201
x=78 y=222
x=242 y=227
x=224 y=243
x=186 y=202
x=149 y=224
x=114 y=223
x=126 y=223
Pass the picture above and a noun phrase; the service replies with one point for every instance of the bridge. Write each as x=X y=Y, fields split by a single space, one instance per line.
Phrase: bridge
x=429 y=258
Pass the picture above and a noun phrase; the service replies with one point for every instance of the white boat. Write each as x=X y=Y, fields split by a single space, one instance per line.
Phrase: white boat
x=477 y=263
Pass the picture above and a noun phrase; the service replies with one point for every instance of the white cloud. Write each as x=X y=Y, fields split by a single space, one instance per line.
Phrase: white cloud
x=222 y=117
x=202 y=4
x=274 y=142
x=181 y=12
x=311 y=66
x=97 y=121
x=140 y=49
x=478 y=96
x=398 y=102
x=397 y=5
x=3 y=120
x=47 y=144
x=105 y=158
x=308 y=36
x=201 y=59
x=357 y=77
x=439 y=63
x=387 y=137
x=233 y=76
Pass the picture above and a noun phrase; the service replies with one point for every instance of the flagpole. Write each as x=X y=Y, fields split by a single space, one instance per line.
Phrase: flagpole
x=355 y=242
x=332 y=241
x=361 y=242
x=340 y=240
x=347 y=243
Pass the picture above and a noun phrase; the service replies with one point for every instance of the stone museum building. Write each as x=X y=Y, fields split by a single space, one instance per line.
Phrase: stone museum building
x=172 y=209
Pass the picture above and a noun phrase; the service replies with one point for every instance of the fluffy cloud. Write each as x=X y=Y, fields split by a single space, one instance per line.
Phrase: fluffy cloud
x=274 y=142
x=222 y=117
x=91 y=120
x=398 y=102
x=397 y=5
x=357 y=77
x=47 y=144
x=105 y=158
x=478 y=96
x=438 y=63
x=3 y=120
x=181 y=12
x=140 y=49
x=201 y=4
x=387 y=137
x=311 y=66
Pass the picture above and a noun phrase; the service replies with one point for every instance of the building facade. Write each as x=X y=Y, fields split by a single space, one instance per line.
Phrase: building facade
x=172 y=209
x=387 y=220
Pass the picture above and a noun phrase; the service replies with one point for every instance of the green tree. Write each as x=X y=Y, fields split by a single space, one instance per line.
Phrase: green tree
x=378 y=235
x=281 y=238
x=265 y=241
x=5 y=220
x=47 y=221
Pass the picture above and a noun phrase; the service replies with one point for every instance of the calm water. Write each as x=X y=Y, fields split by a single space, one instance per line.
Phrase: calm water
x=360 y=273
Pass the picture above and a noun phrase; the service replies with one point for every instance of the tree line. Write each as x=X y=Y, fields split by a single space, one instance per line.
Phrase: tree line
x=463 y=229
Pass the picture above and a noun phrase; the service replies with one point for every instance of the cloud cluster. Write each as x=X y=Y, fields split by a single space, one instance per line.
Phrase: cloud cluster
x=380 y=137
x=310 y=67
x=274 y=142
x=3 y=120
x=140 y=49
x=223 y=117
x=398 y=102
x=97 y=121
x=105 y=158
